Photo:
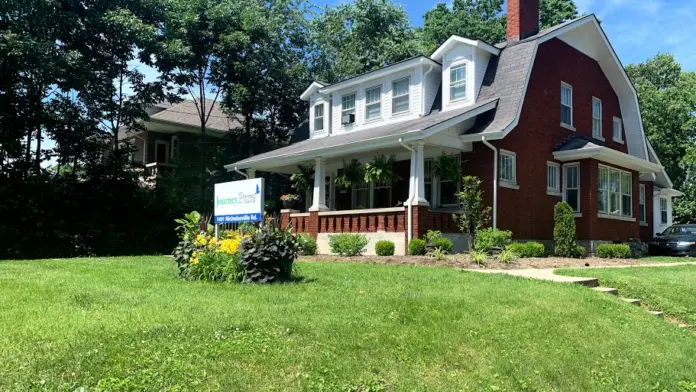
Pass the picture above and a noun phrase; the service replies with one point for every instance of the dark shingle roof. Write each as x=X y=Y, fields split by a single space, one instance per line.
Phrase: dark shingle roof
x=577 y=143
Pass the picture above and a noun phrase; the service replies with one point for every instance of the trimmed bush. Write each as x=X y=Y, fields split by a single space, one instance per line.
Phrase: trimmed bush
x=613 y=251
x=307 y=245
x=444 y=244
x=565 y=238
x=384 y=248
x=527 y=249
x=579 y=252
x=348 y=244
x=417 y=247
x=489 y=238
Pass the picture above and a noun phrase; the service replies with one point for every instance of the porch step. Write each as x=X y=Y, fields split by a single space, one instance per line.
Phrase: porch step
x=631 y=301
x=656 y=313
x=606 y=290
x=587 y=282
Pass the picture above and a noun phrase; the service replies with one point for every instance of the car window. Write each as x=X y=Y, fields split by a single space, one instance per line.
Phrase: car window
x=672 y=231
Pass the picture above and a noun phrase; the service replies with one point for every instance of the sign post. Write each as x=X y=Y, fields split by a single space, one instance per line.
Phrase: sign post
x=239 y=202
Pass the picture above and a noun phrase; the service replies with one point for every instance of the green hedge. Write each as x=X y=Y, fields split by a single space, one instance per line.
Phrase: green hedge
x=306 y=244
x=489 y=238
x=613 y=251
x=348 y=244
x=417 y=247
x=384 y=248
x=527 y=249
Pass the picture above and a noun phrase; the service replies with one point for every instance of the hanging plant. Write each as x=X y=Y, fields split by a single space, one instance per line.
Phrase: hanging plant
x=448 y=168
x=352 y=173
x=304 y=180
x=381 y=169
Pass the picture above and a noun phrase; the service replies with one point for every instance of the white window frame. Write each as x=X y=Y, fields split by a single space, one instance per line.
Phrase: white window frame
x=554 y=191
x=374 y=187
x=642 y=207
x=458 y=83
x=597 y=133
x=621 y=192
x=566 y=189
x=664 y=209
x=507 y=183
x=437 y=184
x=569 y=87
x=174 y=147
x=428 y=178
x=374 y=103
x=349 y=110
x=407 y=94
x=319 y=105
x=619 y=122
x=166 y=152
x=358 y=187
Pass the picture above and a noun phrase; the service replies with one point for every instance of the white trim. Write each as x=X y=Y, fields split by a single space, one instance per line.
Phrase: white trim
x=608 y=155
x=407 y=94
x=362 y=211
x=564 y=125
x=505 y=184
x=379 y=117
x=565 y=183
x=298 y=214
x=616 y=217
x=166 y=151
x=465 y=82
x=666 y=210
x=557 y=190
x=620 y=191
x=455 y=39
x=568 y=127
x=315 y=86
x=599 y=136
x=642 y=194
x=319 y=104
x=577 y=215
x=512 y=183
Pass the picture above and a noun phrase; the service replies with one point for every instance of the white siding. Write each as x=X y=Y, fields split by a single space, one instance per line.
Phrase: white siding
x=432 y=84
x=658 y=227
x=476 y=61
x=481 y=64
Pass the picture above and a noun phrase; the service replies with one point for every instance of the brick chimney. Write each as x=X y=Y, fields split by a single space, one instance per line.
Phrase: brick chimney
x=522 y=19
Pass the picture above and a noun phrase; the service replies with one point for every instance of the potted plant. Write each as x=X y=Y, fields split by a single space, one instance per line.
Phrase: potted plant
x=302 y=181
x=381 y=169
x=448 y=168
x=352 y=173
x=290 y=201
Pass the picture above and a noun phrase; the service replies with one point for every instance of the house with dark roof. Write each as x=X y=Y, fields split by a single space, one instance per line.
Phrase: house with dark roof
x=545 y=117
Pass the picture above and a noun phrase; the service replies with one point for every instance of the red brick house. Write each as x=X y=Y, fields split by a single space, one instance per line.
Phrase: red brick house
x=546 y=116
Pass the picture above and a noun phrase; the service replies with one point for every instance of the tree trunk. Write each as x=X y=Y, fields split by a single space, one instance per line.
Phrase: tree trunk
x=27 y=153
x=37 y=163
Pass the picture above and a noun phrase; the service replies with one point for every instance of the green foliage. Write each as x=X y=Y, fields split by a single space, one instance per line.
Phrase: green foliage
x=435 y=239
x=475 y=215
x=448 y=167
x=527 y=249
x=384 y=248
x=613 y=251
x=268 y=254
x=488 y=239
x=348 y=244
x=565 y=238
x=506 y=256
x=303 y=181
x=182 y=256
x=216 y=266
x=438 y=253
x=190 y=226
x=352 y=173
x=306 y=244
x=417 y=247
x=381 y=169
x=478 y=257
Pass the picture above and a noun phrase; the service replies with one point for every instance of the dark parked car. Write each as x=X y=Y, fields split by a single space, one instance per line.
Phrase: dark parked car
x=677 y=240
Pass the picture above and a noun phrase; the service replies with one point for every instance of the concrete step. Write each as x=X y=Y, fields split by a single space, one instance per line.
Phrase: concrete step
x=656 y=313
x=587 y=282
x=631 y=301
x=606 y=290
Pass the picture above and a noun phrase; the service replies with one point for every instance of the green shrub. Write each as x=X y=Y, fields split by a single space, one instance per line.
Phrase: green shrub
x=489 y=238
x=579 y=252
x=445 y=244
x=565 y=238
x=438 y=254
x=417 y=247
x=348 y=244
x=527 y=249
x=613 y=251
x=506 y=256
x=268 y=254
x=182 y=256
x=384 y=248
x=306 y=244
x=217 y=266
x=478 y=257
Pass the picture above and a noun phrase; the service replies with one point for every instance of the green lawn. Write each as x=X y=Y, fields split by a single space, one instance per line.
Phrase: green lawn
x=669 y=289
x=129 y=324
x=667 y=259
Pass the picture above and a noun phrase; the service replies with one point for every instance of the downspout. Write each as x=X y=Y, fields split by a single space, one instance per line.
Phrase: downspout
x=495 y=181
x=411 y=195
x=242 y=173
x=423 y=92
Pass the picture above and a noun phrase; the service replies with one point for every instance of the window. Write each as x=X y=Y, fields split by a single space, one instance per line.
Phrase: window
x=348 y=107
x=566 y=104
x=382 y=194
x=571 y=191
x=663 y=210
x=458 y=83
x=596 y=118
x=400 y=95
x=553 y=177
x=428 y=180
x=361 y=195
x=373 y=103
x=174 y=147
x=615 y=196
x=508 y=171
x=617 y=133
x=161 y=151
x=319 y=117
x=642 y=212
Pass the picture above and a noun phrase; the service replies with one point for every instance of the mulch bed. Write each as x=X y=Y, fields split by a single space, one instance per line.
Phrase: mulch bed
x=462 y=261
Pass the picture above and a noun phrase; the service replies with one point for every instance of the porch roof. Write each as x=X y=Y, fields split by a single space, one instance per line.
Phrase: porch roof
x=368 y=139
x=581 y=147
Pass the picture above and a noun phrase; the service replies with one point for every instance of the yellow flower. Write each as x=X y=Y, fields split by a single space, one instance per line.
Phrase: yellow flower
x=194 y=260
x=201 y=240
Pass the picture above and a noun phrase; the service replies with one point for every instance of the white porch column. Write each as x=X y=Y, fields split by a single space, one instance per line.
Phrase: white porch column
x=319 y=196
x=251 y=173
x=419 y=180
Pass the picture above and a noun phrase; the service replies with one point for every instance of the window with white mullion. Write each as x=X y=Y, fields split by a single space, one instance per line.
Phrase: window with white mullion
x=617 y=131
x=597 y=118
x=348 y=104
x=447 y=190
x=642 y=211
x=571 y=186
x=458 y=83
x=566 y=104
x=626 y=194
x=361 y=195
x=663 y=211
x=553 y=177
x=373 y=103
x=615 y=192
x=400 y=95
x=508 y=171
x=428 y=180
x=603 y=195
x=319 y=117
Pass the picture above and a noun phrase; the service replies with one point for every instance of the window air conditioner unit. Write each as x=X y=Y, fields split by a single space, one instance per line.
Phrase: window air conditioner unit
x=348 y=118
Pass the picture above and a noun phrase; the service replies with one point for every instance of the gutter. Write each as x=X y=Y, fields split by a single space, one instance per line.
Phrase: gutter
x=412 y=195
x=495 y=181
x=246 y=176
x=423 y=90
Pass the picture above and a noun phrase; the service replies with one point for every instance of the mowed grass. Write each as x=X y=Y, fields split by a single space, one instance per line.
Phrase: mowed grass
x=129 y=324
x=669 y=289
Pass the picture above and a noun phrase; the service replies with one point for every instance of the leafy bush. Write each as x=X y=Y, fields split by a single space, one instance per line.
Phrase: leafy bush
x=506 y=256
x=438 y=254
x=490 y=238
x=613 y=251
x=417 y=247
x=348 y=244
x=527 y=249
x=306 y=244
x=435 y=239
x=475 y=215
x=268 y=254
x=182 y=256
x=579 y=252
x=565 y=238
x=478 y=257
x=384 y=248
x=216 y=266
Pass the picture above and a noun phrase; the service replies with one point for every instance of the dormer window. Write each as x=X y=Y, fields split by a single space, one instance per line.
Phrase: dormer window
x=458 y=83
x=319 y=117
x=348 y=109
x=400 y=95
x=373 y=103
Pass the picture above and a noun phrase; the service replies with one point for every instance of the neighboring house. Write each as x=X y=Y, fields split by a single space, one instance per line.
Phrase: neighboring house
x=547 y=116
x=171 y=135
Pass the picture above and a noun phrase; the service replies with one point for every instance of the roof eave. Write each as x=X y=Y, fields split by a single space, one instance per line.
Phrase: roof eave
x=608 y=155
x=440 y=51
x=315 y=86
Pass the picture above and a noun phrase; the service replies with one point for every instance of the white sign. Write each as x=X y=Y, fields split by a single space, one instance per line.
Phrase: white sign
x=239 y=201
